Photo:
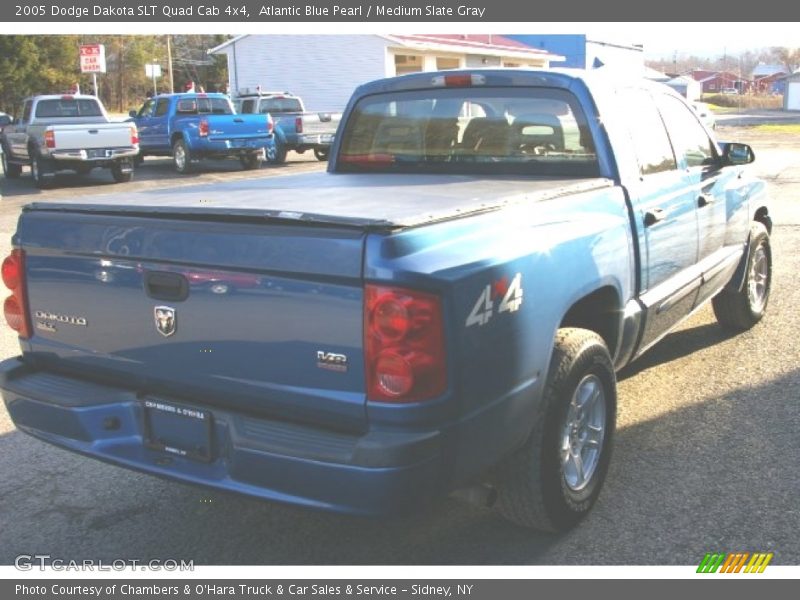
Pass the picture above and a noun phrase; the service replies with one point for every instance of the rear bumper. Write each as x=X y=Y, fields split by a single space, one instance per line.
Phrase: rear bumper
x=370 y=474
x=94 y=155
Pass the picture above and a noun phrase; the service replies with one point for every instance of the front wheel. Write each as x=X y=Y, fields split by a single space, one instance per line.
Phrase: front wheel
x=321 y=153
x=11 y=170
x=738 y=310
x=181 y=157
x=553 y=481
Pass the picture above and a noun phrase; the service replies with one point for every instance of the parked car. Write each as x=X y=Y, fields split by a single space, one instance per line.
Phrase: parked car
x=445 y=309
x=732 y=91
x=703 y=111
x=67 y=132
x=193 y=126
x=295 y=128
x=5 y=119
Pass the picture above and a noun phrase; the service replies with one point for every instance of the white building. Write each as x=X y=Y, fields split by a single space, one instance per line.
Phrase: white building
x=325 y=69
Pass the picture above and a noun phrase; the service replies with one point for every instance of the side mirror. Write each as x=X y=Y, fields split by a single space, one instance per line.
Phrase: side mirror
x=132 y=113
x=738 y=154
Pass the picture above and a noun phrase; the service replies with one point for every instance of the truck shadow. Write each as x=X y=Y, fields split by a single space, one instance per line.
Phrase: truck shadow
x=661 y=504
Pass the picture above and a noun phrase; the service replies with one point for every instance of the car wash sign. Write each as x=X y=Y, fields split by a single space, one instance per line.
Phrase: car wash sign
x=93 y=58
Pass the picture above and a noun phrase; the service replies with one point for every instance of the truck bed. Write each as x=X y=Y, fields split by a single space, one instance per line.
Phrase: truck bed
x=364 y=201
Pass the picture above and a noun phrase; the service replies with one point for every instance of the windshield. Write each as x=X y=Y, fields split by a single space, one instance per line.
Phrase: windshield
x=537 y=131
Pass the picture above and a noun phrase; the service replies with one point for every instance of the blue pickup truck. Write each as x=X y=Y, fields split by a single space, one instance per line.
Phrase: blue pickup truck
x=192 y=126
x=443 y=311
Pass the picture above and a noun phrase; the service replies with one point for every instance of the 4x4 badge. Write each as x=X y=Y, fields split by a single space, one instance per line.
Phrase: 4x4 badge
x=166 y=320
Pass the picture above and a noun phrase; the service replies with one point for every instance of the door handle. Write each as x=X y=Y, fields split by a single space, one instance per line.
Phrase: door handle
x=653 y=216
x=704 y=200
x=163 y=285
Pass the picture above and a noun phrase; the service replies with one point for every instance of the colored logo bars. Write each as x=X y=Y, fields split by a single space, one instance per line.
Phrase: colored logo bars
x=735 y=562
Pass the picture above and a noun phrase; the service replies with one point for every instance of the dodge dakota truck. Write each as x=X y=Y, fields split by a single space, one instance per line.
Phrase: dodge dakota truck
x=443 y=311
x=70 y=132
x=295 y=128
x=193 y=126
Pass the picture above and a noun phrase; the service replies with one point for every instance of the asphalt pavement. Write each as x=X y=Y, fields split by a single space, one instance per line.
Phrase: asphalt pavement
x=706 y=456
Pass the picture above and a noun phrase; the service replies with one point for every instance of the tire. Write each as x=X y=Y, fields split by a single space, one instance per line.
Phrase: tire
x=251 y=161
x=40 y=167
x=118 y=174
x=181 y=157
x=138 y=160
x=276 y=155
x=10 y=170
x=540 y=485
x=321 y=153
x=739 y=310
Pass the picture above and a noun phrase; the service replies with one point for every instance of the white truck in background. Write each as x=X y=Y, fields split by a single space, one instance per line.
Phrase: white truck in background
x=73 y=132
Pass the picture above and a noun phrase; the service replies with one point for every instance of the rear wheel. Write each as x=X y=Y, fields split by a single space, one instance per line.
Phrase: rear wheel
x=738 y=310
x=553 y=481
x=11 y=170
x=122 y=172
x=321 y=153
x=276 y=154
x=41 y=171
x=251 y=161
x=181 y=157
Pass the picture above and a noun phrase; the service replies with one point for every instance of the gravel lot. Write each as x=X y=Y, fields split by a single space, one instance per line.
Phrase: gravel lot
x=706 y=456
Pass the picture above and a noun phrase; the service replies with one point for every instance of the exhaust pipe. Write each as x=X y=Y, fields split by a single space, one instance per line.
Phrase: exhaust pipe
x=481 y=495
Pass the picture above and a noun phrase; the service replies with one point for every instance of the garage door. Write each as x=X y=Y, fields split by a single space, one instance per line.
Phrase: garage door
x=793 y=96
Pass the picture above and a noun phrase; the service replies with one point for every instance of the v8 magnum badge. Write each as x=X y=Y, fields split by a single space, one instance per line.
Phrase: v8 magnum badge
x=166 y=320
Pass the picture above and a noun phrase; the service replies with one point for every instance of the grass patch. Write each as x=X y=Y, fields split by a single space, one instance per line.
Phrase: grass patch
x=793 y=128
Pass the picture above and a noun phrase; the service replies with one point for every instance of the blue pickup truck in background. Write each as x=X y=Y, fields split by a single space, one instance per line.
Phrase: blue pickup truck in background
x=443 y=311
x=192 y=126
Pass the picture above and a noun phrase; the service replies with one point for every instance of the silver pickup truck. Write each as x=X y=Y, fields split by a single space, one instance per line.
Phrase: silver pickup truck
x=295 y=128
x=67 y=132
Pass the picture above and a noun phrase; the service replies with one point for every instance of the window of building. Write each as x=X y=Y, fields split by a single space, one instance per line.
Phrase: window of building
x=447 y=63
x=407 y=63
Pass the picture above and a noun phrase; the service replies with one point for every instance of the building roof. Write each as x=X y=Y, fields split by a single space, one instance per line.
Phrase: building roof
x=762 y=70
x=488 y=45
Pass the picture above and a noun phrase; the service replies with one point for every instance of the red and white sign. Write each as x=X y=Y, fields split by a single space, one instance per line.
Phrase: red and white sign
x=93 y=58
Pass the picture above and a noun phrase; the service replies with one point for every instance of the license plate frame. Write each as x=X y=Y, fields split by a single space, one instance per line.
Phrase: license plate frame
x=178 y=429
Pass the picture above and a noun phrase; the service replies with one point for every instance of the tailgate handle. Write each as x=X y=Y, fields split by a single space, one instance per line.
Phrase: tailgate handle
x=94 y=131
x=163 y=285
x=239 y=120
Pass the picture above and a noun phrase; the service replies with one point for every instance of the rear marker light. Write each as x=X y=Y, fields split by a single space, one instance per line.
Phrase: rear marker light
x=203 y=128
x=298 y=124
x=15 y=307
x=134 y=135
x=404 y=345
x=50 y=139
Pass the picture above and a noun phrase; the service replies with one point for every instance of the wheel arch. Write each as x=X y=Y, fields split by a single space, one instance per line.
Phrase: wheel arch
x=599 y=310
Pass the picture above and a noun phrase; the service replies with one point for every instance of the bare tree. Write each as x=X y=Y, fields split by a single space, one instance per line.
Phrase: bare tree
x=788 y=57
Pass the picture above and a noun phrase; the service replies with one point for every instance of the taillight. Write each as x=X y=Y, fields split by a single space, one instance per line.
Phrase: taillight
x=270 y=124
x=15 y=308
x=298 y=124
x=203 y=128
x=134 y=135
x=403 y=344
x=50 y=139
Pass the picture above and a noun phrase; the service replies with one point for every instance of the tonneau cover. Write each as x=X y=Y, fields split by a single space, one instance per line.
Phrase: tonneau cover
x=358 y=200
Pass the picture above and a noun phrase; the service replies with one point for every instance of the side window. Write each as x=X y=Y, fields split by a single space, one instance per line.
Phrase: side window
x=147 y=109
x=689 y=138
x=162 y=107
x=650 y=139
x=26 y=112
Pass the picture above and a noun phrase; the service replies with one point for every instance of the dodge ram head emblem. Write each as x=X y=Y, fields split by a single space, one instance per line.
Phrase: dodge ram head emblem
x=165 y=320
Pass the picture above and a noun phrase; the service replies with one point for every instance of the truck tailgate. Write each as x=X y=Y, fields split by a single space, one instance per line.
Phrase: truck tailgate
x=226 y=127
x=89 y=137
x=320 y=123
x=229 y=313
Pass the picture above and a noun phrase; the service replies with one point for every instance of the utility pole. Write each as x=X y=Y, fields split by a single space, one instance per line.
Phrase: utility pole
x=169 y=66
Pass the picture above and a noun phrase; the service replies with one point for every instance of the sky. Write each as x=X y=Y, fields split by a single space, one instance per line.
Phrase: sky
x=660 y=40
